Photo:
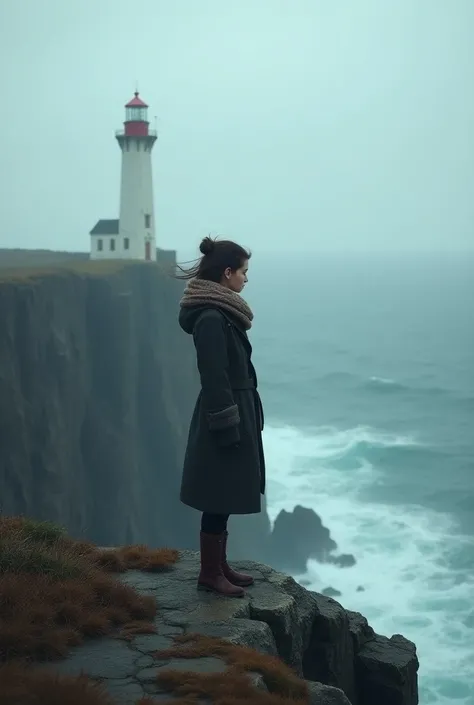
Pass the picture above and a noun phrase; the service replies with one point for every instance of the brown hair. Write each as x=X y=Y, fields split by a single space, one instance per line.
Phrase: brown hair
x=217 y=255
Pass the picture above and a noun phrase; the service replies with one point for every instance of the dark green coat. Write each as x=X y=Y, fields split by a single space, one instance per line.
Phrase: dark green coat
x=224 y=467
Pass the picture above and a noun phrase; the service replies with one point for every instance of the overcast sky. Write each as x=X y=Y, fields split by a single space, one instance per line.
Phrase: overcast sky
x=285 y=124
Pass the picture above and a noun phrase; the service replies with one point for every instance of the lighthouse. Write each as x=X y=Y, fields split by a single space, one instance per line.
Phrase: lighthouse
x=132 y=236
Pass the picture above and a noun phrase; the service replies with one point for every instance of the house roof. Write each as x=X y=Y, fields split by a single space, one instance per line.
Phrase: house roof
x=105 y=227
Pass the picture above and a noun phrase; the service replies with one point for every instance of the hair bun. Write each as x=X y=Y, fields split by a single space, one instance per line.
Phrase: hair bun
x=207 y=245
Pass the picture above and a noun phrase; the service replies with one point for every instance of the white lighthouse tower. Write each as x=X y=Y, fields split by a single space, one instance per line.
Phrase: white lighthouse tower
x=133 y=235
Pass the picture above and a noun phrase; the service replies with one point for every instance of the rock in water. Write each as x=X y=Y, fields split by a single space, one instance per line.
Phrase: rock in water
x=297 y=536
x=331 y=592
x=300 y=535
x=344 y=560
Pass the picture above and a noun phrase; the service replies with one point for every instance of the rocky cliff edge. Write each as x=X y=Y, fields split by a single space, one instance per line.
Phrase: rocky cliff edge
x=334 y=649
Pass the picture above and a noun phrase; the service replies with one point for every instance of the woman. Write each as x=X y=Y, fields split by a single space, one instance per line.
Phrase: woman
x=224 y=467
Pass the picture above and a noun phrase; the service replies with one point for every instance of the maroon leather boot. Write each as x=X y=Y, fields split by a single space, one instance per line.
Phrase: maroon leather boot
x=211 y=577
x=241 y=579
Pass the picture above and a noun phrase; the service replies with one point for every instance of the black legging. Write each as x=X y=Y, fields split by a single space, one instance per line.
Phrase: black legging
x=214 y=523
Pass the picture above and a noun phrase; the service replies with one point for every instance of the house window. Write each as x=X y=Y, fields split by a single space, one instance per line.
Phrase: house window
x=100 y=245
x=112 y=244
x=147 y=220
x=126 y=243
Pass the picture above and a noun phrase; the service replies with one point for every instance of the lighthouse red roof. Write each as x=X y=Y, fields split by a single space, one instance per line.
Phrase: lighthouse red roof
x=136 y=102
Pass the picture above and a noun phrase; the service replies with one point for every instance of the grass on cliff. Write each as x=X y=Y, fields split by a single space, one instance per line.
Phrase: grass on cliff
x=55 y=591
x=80 y=267
x=90 y=267
x=232 y=687
x=281 y=681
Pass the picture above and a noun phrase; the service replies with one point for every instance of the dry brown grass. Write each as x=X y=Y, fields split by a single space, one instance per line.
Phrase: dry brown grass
x=55 y=591
x=61 y=269
x=138 y=557
x=231 y=688
x=133 y=629
x=90 y=268
x=284 y=686
x=278 y=677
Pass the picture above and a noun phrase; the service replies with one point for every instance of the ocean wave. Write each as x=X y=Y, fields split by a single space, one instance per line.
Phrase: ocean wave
x=324 y=450
x=346 y=449
x=386 y=385
x=415 y=588
x=383 y=381
x=379 y=385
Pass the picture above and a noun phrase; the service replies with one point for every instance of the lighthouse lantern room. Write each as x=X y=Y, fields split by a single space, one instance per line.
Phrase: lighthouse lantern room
x=132 y=236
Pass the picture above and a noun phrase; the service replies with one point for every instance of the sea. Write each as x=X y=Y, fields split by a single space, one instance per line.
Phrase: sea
x=366 y=371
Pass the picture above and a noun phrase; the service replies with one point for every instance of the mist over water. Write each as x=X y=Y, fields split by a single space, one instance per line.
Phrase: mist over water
x=366 y=369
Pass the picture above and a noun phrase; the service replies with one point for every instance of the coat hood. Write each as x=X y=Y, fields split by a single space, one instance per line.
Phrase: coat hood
x=188 y=317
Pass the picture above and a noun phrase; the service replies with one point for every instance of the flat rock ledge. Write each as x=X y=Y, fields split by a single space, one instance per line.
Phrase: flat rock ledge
x=345 y=662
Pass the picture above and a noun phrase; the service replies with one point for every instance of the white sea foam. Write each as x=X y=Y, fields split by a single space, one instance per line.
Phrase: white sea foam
x=382 y=380
x=402 y=552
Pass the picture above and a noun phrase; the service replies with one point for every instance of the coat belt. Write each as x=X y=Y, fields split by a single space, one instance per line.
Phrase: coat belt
x=250 y=384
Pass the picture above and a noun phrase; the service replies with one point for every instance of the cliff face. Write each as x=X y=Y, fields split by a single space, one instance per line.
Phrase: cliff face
x=97 y=384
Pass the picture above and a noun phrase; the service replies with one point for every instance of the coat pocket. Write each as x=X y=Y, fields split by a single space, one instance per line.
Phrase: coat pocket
x=224 y=426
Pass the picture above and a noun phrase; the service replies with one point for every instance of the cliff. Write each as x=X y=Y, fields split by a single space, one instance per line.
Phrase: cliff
x=97 y=385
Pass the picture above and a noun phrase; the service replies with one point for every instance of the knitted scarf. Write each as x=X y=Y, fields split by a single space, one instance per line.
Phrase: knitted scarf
x=200 y=292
